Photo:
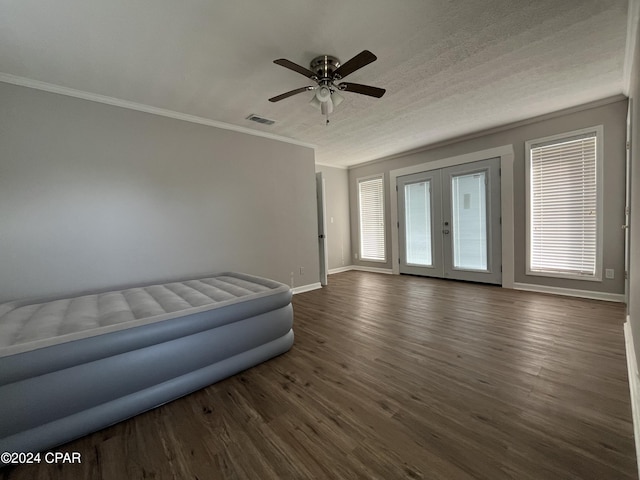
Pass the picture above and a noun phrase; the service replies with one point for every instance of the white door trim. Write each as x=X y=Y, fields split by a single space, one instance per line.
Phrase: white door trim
x=322 y=228
x=627 y=205
x=505 y=152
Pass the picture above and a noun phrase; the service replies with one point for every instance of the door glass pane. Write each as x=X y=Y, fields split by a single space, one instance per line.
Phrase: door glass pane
x=418 y=223
x=469 y=213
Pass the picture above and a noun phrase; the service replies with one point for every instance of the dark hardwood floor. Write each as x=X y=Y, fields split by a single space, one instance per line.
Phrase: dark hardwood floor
x=398 y=377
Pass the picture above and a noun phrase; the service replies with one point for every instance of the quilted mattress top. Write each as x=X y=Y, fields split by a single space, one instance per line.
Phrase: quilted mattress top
x=41 y=323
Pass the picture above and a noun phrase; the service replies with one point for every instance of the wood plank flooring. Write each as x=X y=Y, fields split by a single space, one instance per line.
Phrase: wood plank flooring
x=398 y=377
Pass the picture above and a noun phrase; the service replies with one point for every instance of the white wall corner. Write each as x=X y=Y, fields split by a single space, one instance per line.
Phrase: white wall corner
x=634 y=386
x=633 y=22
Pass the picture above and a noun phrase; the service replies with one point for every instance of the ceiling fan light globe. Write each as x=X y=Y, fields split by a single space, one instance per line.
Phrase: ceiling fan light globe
x=323 y=93
x=336 y=98
x=326 y=107
x=315 y=103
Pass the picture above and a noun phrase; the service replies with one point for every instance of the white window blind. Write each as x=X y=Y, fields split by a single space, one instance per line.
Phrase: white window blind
x=371 y=206
x=563 y=207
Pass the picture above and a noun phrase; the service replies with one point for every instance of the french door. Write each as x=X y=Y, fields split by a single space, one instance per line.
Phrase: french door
x=449 y=222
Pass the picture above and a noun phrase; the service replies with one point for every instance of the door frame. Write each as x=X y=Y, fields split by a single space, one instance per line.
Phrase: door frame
x=627 y=206
x=506 y=155
x=441 y=215
x=323 y=249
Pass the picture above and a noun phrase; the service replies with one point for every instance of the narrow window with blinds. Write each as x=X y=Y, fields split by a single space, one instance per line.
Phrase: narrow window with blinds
x=563 y=206
x=371 y=212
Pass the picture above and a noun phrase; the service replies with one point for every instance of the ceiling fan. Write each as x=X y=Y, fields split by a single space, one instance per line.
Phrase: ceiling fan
x=327 y=72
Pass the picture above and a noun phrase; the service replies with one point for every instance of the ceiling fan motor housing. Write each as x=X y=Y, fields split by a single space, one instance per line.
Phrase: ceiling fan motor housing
x=324 y=66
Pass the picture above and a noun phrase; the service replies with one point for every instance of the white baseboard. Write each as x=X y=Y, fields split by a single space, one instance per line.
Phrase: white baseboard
x=340 y=269
x=634 y=386
x=306 y=288
x=570 y=292
x=360 y=268
x=372 y=269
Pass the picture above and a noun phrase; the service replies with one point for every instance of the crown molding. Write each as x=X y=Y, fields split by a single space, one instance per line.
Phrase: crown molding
x=93 y=97
x=340 y=167
x=501 y=128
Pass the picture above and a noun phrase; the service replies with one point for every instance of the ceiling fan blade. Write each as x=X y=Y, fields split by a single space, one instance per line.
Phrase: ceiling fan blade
x=289 y=94
x=363 y=58
x=362 y=89
x=283 y=62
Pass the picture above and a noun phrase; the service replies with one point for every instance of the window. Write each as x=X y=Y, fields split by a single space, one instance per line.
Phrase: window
x=371 y=213
x=564 y=176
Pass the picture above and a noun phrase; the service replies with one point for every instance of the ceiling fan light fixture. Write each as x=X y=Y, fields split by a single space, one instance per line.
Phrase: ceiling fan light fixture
x=326 y=107
x=315 y=103
x=323 y=93
x=336 y=98
x=326 y=70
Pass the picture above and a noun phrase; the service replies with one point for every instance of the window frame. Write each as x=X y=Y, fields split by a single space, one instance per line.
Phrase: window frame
x=598 y=130
x=359 y=180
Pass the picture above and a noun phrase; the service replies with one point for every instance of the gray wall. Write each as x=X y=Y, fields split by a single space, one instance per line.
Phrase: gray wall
x=93 y=195
x=634 y=271
x=612 y=116
x=337 y=203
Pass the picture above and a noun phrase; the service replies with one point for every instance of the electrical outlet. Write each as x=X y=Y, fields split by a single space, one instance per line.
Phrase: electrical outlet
x=301 y=270
x=355 y=255
x=609 y=273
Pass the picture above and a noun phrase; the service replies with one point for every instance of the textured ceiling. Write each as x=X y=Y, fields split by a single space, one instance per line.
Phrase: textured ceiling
x=449 y=67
